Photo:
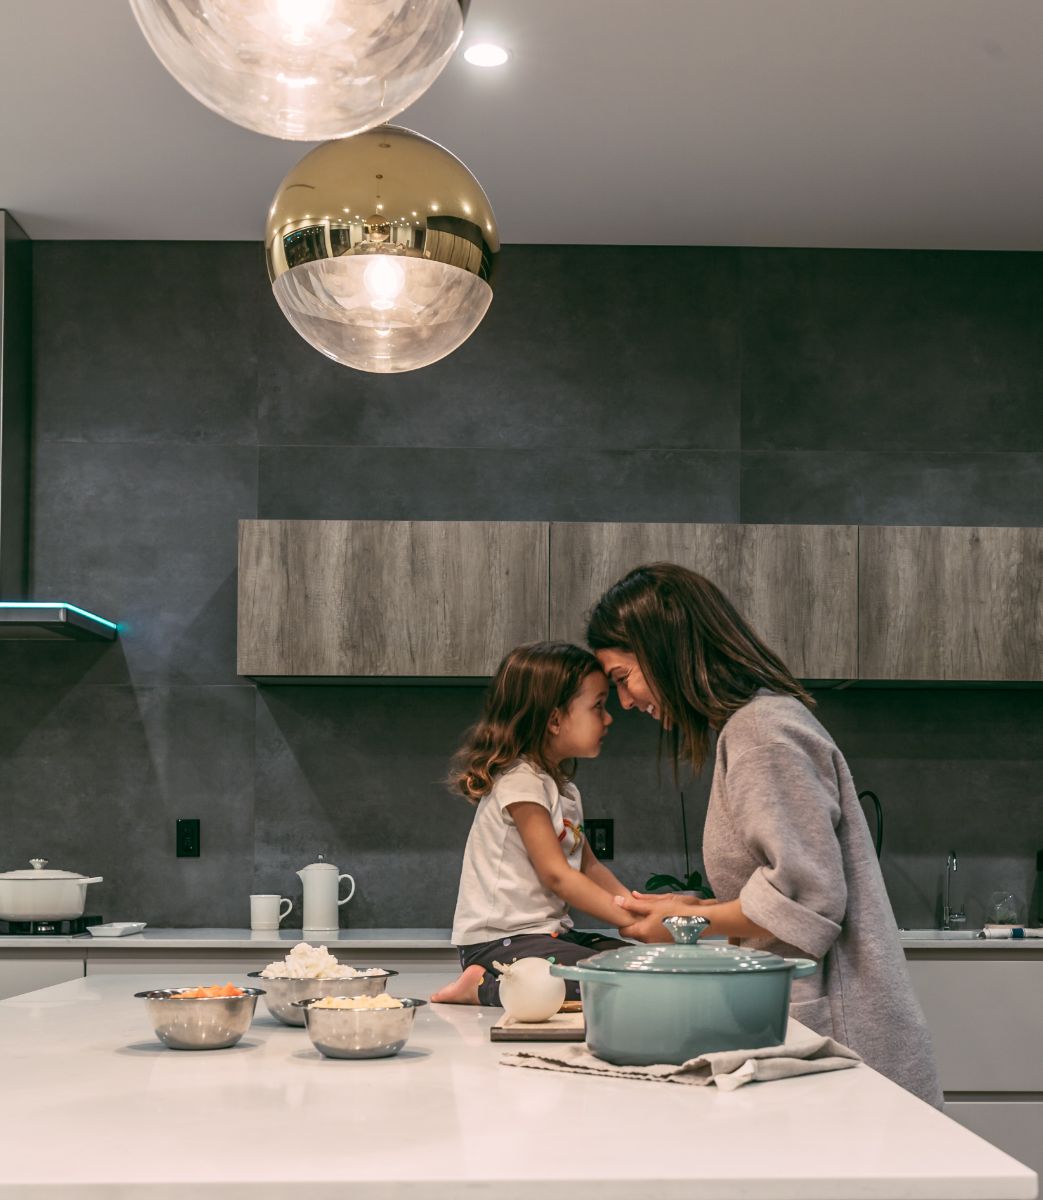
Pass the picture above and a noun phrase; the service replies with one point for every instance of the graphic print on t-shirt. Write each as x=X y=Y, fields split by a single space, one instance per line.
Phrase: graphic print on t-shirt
x=574 y=834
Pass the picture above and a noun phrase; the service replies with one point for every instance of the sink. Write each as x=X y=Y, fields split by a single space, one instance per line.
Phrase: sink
x=939 y=935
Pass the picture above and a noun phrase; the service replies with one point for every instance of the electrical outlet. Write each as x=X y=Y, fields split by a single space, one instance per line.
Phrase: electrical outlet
x=600 y=835
x=187 y=837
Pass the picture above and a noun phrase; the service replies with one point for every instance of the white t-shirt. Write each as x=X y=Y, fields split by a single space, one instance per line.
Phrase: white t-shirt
x=500 y=892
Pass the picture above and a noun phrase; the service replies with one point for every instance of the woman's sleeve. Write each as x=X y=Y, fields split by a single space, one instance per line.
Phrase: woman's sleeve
x=786 y=812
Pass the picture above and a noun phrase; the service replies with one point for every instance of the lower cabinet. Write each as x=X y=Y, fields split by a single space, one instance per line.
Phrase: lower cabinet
x=181 y=965
x=28 y=970
x=1015 y=1126
x=983 y=1013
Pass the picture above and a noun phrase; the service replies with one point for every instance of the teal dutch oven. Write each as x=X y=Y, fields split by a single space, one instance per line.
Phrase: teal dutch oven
x=667 y=1003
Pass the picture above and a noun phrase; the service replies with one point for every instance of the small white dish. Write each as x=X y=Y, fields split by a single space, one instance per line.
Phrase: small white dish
x=116 y=928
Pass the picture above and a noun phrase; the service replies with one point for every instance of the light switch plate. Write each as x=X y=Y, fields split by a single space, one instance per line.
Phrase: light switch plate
x=601 y=836
x=187 y=840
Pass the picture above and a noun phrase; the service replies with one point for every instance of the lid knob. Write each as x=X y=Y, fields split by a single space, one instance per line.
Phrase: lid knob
x=685 y=930
x=38 y=864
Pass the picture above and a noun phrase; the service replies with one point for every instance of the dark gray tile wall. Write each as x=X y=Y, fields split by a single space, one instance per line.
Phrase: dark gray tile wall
x=614 y=383
x=559 y=483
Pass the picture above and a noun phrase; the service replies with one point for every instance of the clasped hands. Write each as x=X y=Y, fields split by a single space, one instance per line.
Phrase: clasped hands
x=649 y=911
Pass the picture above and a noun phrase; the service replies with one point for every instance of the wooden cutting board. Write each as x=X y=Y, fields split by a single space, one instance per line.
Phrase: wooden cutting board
x=562 y=1027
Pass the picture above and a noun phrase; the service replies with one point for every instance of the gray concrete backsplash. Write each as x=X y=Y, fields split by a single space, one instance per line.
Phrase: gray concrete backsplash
x=607 y=383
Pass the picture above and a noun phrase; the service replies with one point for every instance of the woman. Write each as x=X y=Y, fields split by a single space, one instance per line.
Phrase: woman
x=786 y=846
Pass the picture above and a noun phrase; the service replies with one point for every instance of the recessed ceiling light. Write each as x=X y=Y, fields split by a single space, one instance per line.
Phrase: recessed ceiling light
x=485 y=54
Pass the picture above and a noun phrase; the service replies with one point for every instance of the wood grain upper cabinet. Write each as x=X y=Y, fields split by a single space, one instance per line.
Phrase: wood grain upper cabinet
x=796 y=584
x=388 y=598
x=950 y=603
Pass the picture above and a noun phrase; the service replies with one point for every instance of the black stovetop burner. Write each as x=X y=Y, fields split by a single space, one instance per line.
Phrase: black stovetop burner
x=67 y=928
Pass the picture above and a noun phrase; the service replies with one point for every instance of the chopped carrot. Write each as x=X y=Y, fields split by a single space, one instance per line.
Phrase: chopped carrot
x=211 y=992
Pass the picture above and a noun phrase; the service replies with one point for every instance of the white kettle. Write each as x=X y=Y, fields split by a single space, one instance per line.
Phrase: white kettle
x=321 y=901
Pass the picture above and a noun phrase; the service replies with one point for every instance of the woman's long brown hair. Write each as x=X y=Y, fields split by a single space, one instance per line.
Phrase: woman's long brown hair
x=530 y=683
x=699 y=656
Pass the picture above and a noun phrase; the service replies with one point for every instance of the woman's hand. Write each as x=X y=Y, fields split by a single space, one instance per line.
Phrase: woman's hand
x=668 y=898
x=650 y=911
x=726 y=917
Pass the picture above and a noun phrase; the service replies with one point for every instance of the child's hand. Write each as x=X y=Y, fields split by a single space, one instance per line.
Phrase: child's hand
x=647 y=929
x=649 y=912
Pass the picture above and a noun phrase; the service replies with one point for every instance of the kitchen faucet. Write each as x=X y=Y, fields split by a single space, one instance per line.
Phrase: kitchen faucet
x=951 y=917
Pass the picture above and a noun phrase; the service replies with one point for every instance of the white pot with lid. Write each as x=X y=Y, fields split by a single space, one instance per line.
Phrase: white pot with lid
x=321 y=882
x=42 y=895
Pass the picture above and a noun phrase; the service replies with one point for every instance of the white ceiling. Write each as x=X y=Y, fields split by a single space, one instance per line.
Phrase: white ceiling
x=903 y=123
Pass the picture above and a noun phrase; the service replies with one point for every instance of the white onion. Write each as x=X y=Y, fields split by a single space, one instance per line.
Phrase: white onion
x=528 y=991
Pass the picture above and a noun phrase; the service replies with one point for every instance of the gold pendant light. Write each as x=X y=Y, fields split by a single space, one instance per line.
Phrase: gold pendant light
x=304 y=69
x=381 y=249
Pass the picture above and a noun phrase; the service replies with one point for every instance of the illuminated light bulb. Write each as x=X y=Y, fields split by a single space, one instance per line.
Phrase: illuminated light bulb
x=383 y=280
x=303 y=69
x=300 y=20
x=485 y=54
x=390 y=298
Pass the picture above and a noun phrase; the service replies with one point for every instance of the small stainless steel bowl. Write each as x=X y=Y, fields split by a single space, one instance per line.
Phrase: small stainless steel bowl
x=360 y=1032
x=282 y=995
x=199 y=1023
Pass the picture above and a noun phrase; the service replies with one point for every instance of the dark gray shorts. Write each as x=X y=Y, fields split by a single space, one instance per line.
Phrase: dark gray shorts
x=571 y=947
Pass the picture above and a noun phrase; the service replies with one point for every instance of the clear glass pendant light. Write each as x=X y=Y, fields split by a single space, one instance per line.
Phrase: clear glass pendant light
x=303 y=69
x=381 y=249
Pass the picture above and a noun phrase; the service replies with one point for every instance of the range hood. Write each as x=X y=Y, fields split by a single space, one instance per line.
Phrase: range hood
x=23 y=619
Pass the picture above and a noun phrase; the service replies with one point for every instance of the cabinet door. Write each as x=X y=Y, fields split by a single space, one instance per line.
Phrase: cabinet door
x=983 y=1015
x=796 y=584
x=27 y=970
x=180 y=965
x=395 y=598
x=1014 y=1126
x=950 y=603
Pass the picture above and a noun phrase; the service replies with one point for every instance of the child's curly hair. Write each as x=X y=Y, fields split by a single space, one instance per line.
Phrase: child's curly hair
x=531 y=682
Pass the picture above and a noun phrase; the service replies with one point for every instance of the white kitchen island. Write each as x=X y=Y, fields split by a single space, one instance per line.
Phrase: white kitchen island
x=93 y=1106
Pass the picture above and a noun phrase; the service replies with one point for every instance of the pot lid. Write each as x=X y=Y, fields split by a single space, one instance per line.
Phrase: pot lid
x=684 y=957
x=38 y=872
x=320 y=864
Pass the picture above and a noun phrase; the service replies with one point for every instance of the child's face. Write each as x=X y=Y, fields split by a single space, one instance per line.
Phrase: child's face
x=632 y=687
x=579 y=731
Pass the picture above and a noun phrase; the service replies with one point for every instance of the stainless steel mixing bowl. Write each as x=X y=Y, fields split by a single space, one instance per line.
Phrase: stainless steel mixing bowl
x=360 y=1032
x=281 y=995
x=205 y=1023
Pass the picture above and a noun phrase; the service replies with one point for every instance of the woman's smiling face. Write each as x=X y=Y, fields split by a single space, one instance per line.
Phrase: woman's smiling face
x=634 y=690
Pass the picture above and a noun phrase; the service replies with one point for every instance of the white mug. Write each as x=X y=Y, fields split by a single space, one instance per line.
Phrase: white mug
x=267 y=911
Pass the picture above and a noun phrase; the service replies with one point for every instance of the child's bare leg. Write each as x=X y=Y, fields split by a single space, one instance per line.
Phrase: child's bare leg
x=463 y=990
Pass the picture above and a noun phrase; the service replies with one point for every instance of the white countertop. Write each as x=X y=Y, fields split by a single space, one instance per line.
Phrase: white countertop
x=94 y=1107
x=385 y=939
x=245 y=939
x=975 y=945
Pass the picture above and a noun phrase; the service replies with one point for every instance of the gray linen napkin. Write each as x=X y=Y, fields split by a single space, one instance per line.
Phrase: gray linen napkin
x=803 y=1053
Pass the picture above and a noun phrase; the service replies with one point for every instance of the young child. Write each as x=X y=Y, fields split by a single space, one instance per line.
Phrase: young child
x=527 y=861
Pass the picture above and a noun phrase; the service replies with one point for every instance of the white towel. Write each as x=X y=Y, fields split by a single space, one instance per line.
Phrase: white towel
x=801 y=1054
x=1011 y=931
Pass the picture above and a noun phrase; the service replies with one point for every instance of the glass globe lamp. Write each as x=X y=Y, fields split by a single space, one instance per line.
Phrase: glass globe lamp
x=381 y=250
x=304 y=69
